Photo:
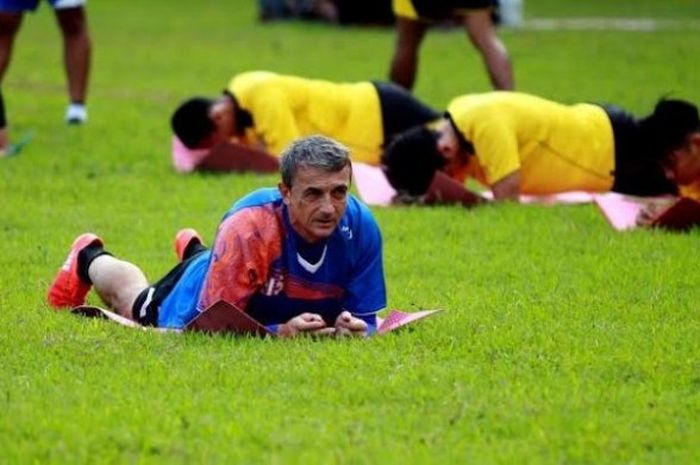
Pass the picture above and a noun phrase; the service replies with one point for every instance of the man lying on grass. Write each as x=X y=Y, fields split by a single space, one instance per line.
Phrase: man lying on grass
x=303 y=258
x=514 y=143
x=261 y=113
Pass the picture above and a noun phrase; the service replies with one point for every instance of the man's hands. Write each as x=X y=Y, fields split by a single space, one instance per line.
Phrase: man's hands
x=312 y=324
x=348 y=325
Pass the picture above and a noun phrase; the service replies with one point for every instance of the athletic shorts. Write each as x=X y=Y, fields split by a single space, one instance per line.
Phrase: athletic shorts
x=401 y=111
x=437 y=10
x=637 y=172
x=19 y=6
x=147 y=304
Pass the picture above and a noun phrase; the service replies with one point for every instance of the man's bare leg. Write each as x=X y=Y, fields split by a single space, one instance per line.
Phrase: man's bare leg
x=117 y=282
x=76 y=56
x=9 y=26
x=482 y=34
x=409 y=35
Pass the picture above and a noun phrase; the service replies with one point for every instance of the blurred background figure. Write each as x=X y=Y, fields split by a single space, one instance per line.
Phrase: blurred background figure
x=414 y=17
x=373 y=12
x=324 y=10
x=71 y=18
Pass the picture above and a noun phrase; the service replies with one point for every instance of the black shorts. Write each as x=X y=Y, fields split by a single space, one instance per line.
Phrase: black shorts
x=437 y=10
x=401 y=111
x=637 y=171
x=147 y=303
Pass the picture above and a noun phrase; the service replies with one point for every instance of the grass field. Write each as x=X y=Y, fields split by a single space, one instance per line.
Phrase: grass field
x=561 y=340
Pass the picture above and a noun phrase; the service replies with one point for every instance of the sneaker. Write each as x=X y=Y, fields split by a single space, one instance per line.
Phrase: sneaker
x=183 y=239
x=67 y=289
x=76 y=113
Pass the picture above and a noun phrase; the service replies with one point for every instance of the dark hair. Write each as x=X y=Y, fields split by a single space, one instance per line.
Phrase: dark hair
x=314 y=151
x=667 y=128
x=411 y=160
x=191 y=122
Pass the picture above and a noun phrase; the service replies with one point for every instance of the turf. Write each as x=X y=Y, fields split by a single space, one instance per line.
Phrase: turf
x=561 y=341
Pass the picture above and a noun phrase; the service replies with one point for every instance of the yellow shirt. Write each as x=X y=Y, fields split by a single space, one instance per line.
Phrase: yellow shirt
x=285 y=108
x=556 y=147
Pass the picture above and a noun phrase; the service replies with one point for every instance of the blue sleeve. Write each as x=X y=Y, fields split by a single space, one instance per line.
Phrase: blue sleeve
x=366 y=291
x=254 y=199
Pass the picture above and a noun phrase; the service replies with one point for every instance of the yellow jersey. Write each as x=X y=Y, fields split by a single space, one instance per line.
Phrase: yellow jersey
x=555 y=147
x=285 y=108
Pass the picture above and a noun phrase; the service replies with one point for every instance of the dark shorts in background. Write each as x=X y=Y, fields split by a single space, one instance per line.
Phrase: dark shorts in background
x=437 y=10
x=20 y=6
x=637 y=171
x=401 y=110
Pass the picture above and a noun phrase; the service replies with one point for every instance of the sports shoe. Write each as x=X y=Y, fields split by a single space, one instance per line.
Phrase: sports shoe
x=183 y=239
x=76 y=113
x=67 y=289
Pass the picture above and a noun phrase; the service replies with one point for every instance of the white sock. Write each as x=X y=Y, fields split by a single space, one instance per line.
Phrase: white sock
x=76 y=113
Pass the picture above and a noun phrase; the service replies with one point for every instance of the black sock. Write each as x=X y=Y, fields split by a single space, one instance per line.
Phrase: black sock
x=85 y=258
x=192 y=249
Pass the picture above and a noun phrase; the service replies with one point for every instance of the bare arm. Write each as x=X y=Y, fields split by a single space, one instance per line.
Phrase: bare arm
x=507 y=188
x=446 y=190
x=237 y=157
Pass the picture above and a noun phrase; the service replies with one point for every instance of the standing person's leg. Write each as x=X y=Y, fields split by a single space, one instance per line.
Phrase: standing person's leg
x=4 y=136
x=76 y=56
x=409 y=36
x=10 y=23
x=482 y=33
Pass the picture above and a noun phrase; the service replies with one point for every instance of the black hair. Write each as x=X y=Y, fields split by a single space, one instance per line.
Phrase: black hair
x=667 y=128
x=191 y=122
x=411 y=160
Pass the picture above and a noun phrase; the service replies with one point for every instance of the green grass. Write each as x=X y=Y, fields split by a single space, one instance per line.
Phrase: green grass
x=561 y=341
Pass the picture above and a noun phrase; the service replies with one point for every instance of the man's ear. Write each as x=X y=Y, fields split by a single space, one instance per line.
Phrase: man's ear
x=285 y=191
x=695 y=139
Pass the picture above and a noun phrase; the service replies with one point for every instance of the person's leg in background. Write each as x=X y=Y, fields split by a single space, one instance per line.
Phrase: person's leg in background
x=76 y=55
x=482 y=34
x=10 y=23
x=404 y=64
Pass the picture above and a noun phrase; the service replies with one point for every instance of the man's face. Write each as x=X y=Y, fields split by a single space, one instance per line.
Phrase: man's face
x=449 y=147
x=222 y=115
x=683 y=165
x=316 y=201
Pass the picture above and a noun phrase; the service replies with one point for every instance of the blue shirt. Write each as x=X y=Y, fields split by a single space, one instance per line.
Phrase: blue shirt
x=260 y=264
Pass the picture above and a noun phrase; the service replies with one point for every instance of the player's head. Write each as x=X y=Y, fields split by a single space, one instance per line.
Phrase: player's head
x=202 y=122
x=411 y=160
x=316 y=175
x=674 y=132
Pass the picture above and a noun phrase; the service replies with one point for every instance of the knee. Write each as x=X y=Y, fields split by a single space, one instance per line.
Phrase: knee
x=73 y=25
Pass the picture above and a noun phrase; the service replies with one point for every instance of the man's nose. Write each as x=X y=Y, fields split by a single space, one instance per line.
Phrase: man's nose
x=326 y=204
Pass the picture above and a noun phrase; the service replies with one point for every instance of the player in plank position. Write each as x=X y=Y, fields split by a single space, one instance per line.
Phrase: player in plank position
x=260 y=113
x=514 y=143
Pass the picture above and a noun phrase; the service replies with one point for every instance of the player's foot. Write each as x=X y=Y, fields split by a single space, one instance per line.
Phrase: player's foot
x=15 y=149
x=76 y=113
x=183 y=239
x=67 y=289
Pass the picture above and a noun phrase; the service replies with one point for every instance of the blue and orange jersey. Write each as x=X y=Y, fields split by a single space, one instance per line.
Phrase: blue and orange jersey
x=260 y=264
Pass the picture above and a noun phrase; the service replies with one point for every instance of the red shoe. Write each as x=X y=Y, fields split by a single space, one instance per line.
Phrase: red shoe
x=184 y=238
x=67 y=289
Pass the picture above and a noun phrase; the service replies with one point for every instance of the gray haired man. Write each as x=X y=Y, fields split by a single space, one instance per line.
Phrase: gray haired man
x=303 y=258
